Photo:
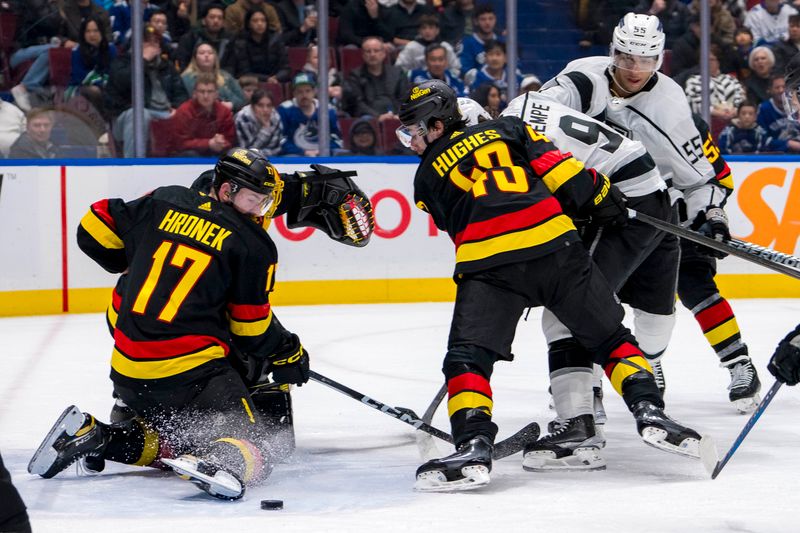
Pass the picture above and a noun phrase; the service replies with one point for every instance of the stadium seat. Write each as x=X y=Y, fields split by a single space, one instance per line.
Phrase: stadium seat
x=161 y=138
x=8 y=28
x=349 y=58
x=333 y=30
x=298 y=54
x=666 y=64
x=60 y=66
x=388 y=143
x=717 y=125
x=275 y=90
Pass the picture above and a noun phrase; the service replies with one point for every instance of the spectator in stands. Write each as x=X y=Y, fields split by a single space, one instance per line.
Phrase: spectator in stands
x=673 y=14
x=403 y=19
x=473 y=49
x=493 y=71
x=38 y=21
x=726 y=91
x=259 y=51
x=413 y=54
x=35 y=143
x=436 y=67
x=163 y=88
x=300 y=120
x=685 y=51
x=363 y=138
x=211 y=31
x=723 y=25
x=456 y=21
x=182 y=16
x=159 y=21
x=761 y=63
x=769 y=21
x=91 y=62
x=375 y=88
x=743 y=135
x=236 y=12
x=788 y=48
x=488 y=96
x=258 y=125
x=299 y=21
x=205 y=60
x=12 y=125
x=334 y=77
x=203 y=126
x=361 y=19
x=784 y=133
x=249 y=84
x=71 y=14
x=740 y=54
x=120 y=15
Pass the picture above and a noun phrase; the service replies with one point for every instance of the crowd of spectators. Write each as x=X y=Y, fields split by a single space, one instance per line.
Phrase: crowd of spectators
x=245 y=72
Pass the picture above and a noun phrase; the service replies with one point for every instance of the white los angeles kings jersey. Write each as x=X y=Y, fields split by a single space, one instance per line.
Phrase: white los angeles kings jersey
x=625 y=162
x=659 y=116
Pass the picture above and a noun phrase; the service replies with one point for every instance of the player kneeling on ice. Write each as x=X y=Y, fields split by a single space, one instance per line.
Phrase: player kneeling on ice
x=505 y=196
x=198 y=272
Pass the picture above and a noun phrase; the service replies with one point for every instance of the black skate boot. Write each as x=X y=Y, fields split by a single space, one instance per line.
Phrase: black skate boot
x=662 y=432
x=574 y=445
x=208 y=475
x=745 y=384
x=466 y=469
x=75 y=435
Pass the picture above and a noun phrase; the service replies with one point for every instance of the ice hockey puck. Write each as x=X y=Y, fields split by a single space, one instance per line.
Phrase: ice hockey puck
x=272 y=505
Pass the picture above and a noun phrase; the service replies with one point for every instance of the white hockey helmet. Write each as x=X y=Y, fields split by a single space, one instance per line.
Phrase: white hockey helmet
x=639 y=36
x=472 y=112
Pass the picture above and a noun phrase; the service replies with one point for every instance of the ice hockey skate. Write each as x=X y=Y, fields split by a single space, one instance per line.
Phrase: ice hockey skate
x=662 y=432
x=745 y=384
x=466 y=469
x=74 y=435
x=208 y=476
x=574 y=445
x=658 y=375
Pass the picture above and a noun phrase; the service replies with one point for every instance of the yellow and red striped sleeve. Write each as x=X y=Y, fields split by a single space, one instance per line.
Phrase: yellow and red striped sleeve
x=99 y=239
x=249 y=320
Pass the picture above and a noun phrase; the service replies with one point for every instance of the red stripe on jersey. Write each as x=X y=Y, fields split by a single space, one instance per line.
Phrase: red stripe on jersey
x=164 y=349
x=249 y=312
x=101 y=210
x=725 y=172
x=626 y=349
x=469 y=381
x=528 y=217
x=542 y=164
x=711 y=317
x=116 y=299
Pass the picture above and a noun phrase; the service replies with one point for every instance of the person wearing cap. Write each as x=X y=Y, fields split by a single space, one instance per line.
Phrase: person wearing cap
x=300 y=118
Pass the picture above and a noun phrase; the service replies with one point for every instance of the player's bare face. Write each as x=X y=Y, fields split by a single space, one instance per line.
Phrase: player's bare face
x=632 y=72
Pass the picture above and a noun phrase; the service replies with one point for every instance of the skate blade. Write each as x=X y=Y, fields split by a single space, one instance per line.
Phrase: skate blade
x=69 y=422
x=747 y=405
x=581 y=460
x=656 y=437
x=475 y=476
x=220 y=485
x=708 y=454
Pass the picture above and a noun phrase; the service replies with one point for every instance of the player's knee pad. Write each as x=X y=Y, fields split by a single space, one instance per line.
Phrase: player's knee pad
x=468 y=358
x=652 y=332
x=553 y=329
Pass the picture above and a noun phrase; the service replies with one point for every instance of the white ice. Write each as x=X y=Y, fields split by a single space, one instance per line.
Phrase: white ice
x=354 y=467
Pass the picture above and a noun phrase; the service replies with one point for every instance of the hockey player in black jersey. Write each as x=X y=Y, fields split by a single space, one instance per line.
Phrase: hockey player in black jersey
x=198 y=273
x=505 y=196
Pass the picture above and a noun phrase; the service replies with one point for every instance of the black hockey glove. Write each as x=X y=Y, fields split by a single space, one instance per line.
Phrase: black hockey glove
x=712 y=223
x=608 y=207
x=332 y=202
x=289 y=363
x=785 y=362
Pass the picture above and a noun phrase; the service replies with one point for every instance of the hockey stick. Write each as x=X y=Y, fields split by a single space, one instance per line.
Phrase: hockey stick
x=746 y=429
x=425 y=445
x=766 y=257
x=504 y=448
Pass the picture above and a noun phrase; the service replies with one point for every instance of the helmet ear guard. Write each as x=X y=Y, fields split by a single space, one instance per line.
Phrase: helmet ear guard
x=639 y=35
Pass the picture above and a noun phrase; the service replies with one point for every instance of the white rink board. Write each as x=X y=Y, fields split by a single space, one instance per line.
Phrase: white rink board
x=405 y=245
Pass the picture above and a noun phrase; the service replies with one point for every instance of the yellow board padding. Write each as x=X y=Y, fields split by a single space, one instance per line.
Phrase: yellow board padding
x=371 y=291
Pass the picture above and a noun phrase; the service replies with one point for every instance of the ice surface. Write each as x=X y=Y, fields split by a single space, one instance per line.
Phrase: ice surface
x=354 y=467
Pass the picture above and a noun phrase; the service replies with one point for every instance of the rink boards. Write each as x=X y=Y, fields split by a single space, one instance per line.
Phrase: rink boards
x=42 y=271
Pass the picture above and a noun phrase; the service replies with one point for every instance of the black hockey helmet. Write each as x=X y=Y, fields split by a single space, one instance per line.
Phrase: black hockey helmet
x=247 y=168
x=430 y=100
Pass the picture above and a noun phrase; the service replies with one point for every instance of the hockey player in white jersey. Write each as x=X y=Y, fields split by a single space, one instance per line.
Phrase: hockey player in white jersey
x=639 y=263
x=626 y=91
